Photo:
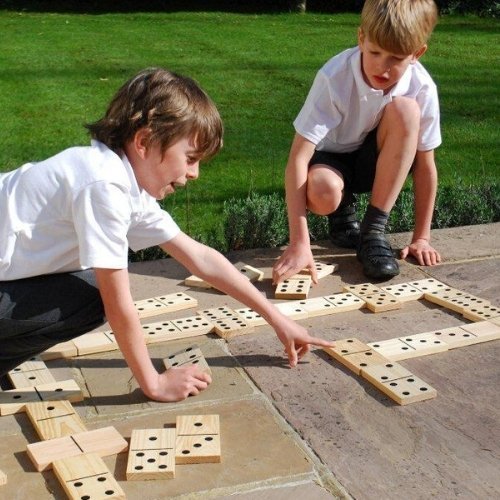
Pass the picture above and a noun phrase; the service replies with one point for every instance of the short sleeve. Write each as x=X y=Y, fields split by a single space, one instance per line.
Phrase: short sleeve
x=102 y=214
x=319 y=114
x=153 y=226
x=430 y=128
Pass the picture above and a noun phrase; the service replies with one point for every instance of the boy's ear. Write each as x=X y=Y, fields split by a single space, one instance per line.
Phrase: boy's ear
x=419 y=53
x=141 y=142
x=361 y=36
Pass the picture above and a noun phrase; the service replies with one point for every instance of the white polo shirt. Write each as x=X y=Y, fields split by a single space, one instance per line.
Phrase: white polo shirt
x=342 y=108
x=79 y=209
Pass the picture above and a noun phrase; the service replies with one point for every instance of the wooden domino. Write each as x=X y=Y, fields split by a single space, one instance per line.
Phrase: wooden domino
x=322 y=269
x=318 y=306
x=483 y=331
x=34 y=363
x=358 y=360
x=455 y=336
x=394 y=349
x=292 y=310
x=151 y=454
x=481 y=312
x=94 y=342
x=293 y=289
x=192 y=326
x=196 y=282
x=423 y=344
x=347 y=346
x=14 y=401
x=344 y=302
x=87 y=477
x=404 y=292
x=251 y=317
x=54 y=419
x=428 y=285
x=104 y=441
x=61 y=350
x=382 y=301
x=160 y=331
x=408 y=390
x=251 y=273
x=164 y=304
x=362 y=289
x=191 y=355
x=227 y=323
x=198 y=439
x=384 y=372
x=30 y=378
x=449 y=298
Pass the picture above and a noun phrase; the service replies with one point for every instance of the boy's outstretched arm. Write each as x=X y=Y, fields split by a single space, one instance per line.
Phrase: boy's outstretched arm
x=425 y=188
x=172 y=385
x=213 y=267
x=298 y=255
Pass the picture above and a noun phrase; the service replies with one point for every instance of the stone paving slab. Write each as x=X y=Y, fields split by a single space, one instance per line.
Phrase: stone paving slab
x=339 y=436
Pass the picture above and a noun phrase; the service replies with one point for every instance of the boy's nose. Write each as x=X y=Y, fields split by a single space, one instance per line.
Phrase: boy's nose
x=193 y=171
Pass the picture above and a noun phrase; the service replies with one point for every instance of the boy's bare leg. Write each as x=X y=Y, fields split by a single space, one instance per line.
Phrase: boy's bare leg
x=397 y=143
x=326 y=196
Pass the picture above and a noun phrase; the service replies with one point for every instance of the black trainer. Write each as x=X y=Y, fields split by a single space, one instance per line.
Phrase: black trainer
x=376 y=256
x=344 y=227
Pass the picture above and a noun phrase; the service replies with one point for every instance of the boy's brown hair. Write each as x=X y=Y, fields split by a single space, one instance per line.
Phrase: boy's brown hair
x=399 y=26
x=168 y=105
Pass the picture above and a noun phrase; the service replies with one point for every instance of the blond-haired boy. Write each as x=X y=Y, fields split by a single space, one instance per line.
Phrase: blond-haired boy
x=371 y=117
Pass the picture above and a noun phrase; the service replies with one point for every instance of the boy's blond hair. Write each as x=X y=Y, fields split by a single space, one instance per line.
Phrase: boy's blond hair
x=169 y=106
x=399 y=26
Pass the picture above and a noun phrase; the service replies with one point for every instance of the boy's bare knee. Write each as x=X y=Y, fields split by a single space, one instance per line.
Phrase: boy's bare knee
x=324 y=191
x=402 y=112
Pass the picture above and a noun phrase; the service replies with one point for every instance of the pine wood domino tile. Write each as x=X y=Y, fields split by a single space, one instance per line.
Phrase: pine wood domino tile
x=381 y=302
x=191 y=355
x=481 y=312
x=455 y=336
x=53 y=419
x=394 y=349
x=251 y=317
x=293 y=289
x=484 y=331
x=251 y=273
x=198 y=439
x=362 y=289
x=292 y=309
x=404 y=292
x=87 y=477
x=424 y=344
x=384 y=372
x=31 y=378
x=317 y=306
x=344 y=302
x=428 y=285
x=408 y=390
x=151 y=454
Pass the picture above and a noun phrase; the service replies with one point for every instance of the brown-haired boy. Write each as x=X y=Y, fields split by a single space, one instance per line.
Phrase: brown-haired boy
x=68 y=221
x=371 y=117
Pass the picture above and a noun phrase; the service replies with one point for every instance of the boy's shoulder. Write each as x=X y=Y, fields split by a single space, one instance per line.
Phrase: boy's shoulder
x=341 y=63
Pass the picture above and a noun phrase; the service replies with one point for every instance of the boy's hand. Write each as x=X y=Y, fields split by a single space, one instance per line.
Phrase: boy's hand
x=177 y=384
x=297 y=341
x=294 y=259
x=423 y=252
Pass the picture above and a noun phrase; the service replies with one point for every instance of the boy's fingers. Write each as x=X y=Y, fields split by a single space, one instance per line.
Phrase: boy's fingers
x=404 y=252
x=292 y=355
x=320 y=342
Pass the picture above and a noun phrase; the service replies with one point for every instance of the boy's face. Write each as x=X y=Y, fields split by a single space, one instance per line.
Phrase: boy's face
x=383 y=69
x=159 y=175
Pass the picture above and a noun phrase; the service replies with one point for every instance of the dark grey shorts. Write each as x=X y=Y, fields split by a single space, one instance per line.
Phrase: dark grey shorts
x=357 y=168
x=37 y=313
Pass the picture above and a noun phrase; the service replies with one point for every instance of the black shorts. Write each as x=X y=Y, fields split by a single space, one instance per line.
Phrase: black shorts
x=357 y=168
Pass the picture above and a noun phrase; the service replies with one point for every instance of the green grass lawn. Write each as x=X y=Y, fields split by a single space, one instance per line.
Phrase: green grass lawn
x=60 y=70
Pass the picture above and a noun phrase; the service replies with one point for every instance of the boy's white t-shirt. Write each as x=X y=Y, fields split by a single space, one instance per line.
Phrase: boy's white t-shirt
x=341 y=108
x=79 y=209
